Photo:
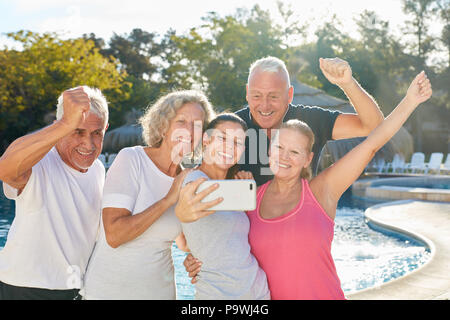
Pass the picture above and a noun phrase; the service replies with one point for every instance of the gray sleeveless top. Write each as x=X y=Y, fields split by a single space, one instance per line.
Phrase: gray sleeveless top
x=220 y=241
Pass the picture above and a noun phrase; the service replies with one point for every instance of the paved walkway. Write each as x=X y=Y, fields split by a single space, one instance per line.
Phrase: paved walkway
x=430 y=222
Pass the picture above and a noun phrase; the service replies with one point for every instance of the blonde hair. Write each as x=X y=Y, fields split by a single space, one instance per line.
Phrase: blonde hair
x=156 y=119
x=302 y=128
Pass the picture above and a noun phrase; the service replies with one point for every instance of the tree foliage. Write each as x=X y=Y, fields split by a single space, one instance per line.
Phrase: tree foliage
x=32 y=79
x=135 y=68
x=218 y=54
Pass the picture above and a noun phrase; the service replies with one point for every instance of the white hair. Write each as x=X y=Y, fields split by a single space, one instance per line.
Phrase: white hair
x=269 y=64
x=99 y=105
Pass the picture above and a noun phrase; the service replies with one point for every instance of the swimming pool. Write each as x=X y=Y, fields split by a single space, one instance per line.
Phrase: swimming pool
x=431 y=188
x=6 y=216
x=425 y=182
x=363 y=257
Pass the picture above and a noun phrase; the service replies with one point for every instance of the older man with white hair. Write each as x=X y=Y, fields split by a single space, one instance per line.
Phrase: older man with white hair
x=56 y=181
x=269 y=95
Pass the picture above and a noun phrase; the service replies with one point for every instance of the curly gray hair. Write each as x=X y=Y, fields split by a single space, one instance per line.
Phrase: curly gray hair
x=156 y=119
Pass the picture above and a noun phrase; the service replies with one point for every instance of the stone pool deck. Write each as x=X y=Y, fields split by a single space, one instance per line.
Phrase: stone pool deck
x=429 y=222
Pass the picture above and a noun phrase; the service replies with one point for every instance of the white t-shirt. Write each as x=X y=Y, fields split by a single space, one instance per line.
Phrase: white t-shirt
x=55 y=226
x=141 y=268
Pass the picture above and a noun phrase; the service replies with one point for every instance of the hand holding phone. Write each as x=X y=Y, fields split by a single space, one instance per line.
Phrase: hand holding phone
x=190 y=207
x=238 y=195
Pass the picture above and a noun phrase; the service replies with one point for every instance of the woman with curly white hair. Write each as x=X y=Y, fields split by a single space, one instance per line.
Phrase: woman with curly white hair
x=132 y=258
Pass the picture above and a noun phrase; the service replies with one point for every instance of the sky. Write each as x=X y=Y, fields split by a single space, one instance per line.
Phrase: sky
x=72 y=18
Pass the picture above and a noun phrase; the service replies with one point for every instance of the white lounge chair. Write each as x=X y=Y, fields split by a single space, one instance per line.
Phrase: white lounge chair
x=434 y=165
x=376 y=165
x=417 y=163
x=445 y=168
x=397 y=164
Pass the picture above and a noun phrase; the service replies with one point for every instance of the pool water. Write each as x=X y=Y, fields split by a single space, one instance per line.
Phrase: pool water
x=6 y=216
x=364 y=258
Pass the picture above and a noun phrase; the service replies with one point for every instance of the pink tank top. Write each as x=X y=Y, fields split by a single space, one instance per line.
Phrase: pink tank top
x=294 y=250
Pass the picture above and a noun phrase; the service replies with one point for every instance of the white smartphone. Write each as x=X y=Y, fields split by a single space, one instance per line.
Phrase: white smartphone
x=238 y=195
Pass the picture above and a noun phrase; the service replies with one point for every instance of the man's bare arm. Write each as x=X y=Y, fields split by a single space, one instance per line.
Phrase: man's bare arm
x=368 y=115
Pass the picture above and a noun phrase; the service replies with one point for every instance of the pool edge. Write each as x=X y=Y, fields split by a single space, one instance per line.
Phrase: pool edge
x=428 y=222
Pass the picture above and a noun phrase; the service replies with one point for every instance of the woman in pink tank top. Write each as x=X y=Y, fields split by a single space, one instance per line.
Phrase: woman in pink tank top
x=294 y=249
x=292 y=228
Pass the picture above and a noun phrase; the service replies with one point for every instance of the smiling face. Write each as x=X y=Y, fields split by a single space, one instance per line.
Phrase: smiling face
x=224 y=145
x=268 y=97
x=185 y=130
x=80 y=149
x=289 y=154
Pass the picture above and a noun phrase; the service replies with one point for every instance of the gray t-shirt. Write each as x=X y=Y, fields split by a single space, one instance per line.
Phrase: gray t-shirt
x=220 y=241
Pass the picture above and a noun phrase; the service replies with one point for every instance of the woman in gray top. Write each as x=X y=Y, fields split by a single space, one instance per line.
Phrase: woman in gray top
x=220 y=238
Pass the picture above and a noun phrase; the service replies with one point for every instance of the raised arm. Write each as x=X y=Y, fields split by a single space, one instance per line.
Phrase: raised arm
x=25 y=152
x=368 y=115
x=331 y=183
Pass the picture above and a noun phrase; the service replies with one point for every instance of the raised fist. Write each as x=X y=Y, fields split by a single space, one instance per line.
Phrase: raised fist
x=419 y=90
x=76 y=104
x=336 y=70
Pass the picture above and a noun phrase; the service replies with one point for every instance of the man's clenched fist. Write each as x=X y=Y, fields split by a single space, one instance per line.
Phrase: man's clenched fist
x=76 y=105
x=336 y=70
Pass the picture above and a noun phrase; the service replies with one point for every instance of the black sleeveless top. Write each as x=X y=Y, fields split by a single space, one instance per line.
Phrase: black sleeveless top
x=255 y=158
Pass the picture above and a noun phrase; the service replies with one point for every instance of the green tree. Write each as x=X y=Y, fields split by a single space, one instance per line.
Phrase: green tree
x=292 y=28
x=330 y=42
x=444 y=14
x=150 y=63
x=421 y=12
x=384 y=52
x=218 y=54
x=441 y=84
x=32 y=79
x=135 y=52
